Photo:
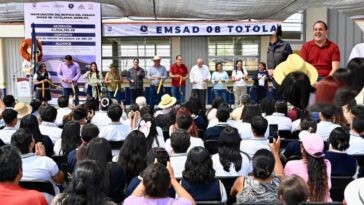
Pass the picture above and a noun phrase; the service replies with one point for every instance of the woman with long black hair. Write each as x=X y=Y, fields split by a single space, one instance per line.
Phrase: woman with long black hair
x=85 y=187
x=239 y=76
x=70 y=139
x=94 y=80
x=148 y=126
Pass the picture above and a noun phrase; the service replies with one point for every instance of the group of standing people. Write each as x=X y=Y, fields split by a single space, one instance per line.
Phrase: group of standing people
x=323 y=54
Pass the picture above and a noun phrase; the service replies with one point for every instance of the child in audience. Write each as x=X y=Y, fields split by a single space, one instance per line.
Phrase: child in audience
x=293 y=190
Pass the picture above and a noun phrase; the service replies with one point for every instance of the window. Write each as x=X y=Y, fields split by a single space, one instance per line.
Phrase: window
x=230 y=49
x=293 y=27
x=126 y=49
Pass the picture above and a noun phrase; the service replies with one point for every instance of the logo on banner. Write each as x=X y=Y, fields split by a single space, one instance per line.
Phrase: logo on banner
x=71 y=6
x=144 y=28
x=81 y=6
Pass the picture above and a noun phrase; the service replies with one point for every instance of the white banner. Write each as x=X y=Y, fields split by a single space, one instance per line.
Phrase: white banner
x=66 y=28
x=190 y=28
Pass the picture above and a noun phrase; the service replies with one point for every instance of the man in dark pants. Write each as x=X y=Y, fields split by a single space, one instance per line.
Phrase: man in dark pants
x=199 y=77
x=69 y=72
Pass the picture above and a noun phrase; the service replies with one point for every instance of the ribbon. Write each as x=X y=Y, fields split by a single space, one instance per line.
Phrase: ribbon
x=57 y=86
x=117 y=88
x=144 y=127
x=159 y=85
x=98 y=92
x=180 y=85
x=74 y=91
x=43 y=89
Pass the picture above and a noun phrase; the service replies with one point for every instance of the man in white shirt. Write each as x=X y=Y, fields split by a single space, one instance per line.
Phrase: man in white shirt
x=10 y=119
x=48 y=126
x=326 y=125
x=184 y=122
x=36 y=166
x=357 y=131
x=199 y=77
x=259 y=126
x=115 y=131
x=63 y=110
x=280 y=117
x=180 y=143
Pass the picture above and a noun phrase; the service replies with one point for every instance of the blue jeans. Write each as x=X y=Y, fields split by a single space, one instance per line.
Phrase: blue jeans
x=153 y=96
x=175 y=93
x=68 y=91
x=222 y=94
x=118 y=97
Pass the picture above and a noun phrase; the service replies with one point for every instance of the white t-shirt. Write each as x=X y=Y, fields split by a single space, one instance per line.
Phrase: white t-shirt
x=51 y=129
x=101 y=119
x=246 y=167
x=284 y=123
x=244 y=129
x=178 y=163
x=6 y=133
x=57 y=147
x=160 y=139
x=61 y=112
x=296 y=125
x=253 y=145
x=195 y=142
x=39 y=168
x=238 y=74
x=115 y=132
x=324 y=128
x=356 y=144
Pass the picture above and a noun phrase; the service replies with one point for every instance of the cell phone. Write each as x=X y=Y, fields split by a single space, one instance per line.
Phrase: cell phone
x=273 y=132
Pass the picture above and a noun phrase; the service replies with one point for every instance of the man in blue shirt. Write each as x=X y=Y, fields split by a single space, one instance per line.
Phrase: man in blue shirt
x=157 y=74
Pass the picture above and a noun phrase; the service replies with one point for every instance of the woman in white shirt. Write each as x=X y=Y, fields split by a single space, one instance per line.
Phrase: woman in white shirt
x=239 y=77
x=230 y=161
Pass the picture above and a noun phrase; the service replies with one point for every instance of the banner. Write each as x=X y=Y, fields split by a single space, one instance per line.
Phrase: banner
x=66 y=28
x=190 y=28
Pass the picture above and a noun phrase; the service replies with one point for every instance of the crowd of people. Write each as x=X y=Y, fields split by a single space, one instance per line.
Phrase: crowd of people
x=284 y=148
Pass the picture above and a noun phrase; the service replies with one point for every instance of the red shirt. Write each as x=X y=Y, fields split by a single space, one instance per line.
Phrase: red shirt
x=178 y=70
x=321 y=57
x=15 y=195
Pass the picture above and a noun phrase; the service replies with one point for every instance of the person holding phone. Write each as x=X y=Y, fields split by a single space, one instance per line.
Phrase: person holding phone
x=259 y=125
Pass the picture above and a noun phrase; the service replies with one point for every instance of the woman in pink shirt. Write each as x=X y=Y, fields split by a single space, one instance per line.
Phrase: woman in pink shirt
x=313 y=167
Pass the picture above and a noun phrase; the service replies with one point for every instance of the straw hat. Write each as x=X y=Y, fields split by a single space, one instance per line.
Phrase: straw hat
x=23 y=109
x=167 y=101
x=156 y=58
x=295 y=63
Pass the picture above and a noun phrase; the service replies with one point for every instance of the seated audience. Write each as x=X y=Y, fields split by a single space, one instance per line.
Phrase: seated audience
x=63 y=110
x=154 y=190
x=222 y=115
x=23 y=109
x=156 y=154
x=30 y=122
x=279 y=117
x=184 y=111
x=166 y=105
x=80 y=114
x=185 y=122
x=180 y=142
x=70 y=139
x=198 y=117
x=10 y=119
x=9 y=101
x=85 y=187
x=99 y=149
x=244 y=126
x=115 y=131
x=47 y=127
x=211 y=113
x=236 y=113
x=230 y=161
x=326 y=125
x=100 y=118
x=199 y=177
x=293 y=190
x=259 y=125
x=10 y=174
x=268 y=106
x=35 y=104
x=313 y=167
x=36 y=166
x=262 y=186
x=88 y=132
x=342 y=164
x=132 y=154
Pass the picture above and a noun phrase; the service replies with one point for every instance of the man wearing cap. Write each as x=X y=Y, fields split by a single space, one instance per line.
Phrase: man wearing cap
x=69 y=73
x=200 y=77
x=135 y=77
x=323 y=54
x=156 y=74
x=179 y=74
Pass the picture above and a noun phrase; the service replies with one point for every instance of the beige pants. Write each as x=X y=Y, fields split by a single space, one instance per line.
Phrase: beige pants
x=238 y=91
